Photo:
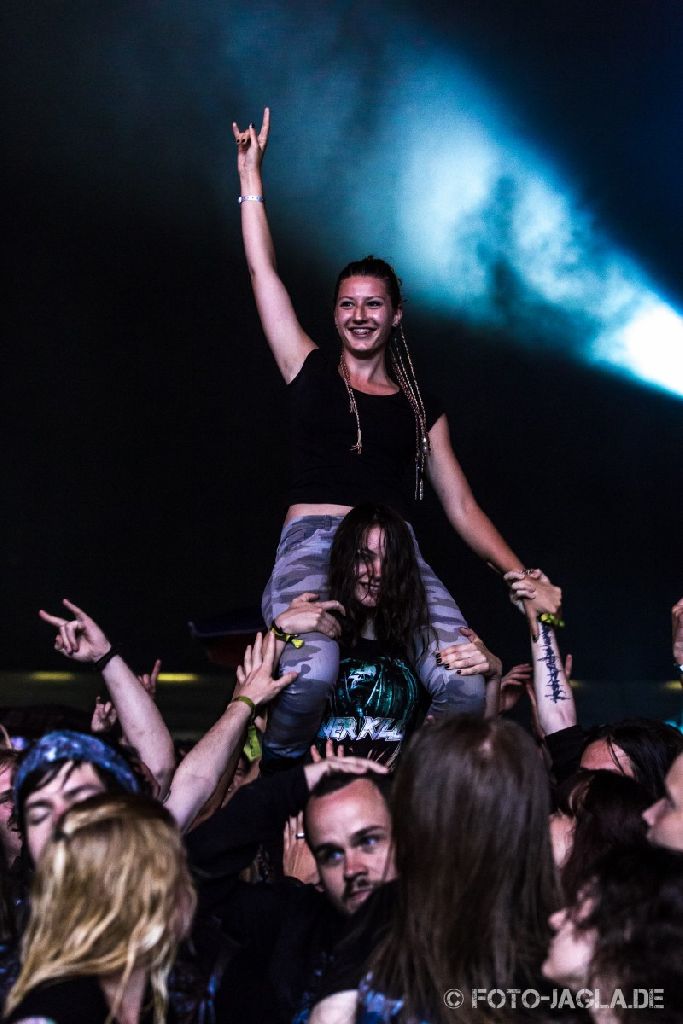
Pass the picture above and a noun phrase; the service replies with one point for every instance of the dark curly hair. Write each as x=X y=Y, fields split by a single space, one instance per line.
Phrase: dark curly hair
x=636 y=911
x=401 y=610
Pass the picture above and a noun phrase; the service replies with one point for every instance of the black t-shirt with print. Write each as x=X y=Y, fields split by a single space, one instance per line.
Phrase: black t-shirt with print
x=375 y=705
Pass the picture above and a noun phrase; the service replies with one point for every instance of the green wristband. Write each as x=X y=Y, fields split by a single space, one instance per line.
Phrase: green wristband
x=551 y=620
x=248 y=701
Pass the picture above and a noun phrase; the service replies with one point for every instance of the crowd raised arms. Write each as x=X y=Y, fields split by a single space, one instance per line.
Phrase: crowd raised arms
x=356 y=836
x=364 y=834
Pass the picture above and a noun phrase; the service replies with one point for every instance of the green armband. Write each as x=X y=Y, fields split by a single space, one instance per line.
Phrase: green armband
x=252 y=745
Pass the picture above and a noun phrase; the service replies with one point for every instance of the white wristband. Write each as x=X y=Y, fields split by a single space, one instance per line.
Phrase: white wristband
x=253 y=199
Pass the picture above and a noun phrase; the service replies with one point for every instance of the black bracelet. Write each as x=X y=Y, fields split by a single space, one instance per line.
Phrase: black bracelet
x=101 y=663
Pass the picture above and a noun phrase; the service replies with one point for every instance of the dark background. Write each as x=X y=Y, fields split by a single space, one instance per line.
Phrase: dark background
x=144 y=443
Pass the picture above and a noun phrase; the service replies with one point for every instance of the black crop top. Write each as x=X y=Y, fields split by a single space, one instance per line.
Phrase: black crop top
x=324 y=470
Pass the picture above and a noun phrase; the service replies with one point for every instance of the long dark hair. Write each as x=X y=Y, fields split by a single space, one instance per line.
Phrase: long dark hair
x=608 y=812
x=401 y=610
x=636 y=913
x=650 y=745
x=476 y=881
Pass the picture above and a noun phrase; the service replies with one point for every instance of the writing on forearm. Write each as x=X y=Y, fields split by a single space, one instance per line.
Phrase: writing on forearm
x=556 y=684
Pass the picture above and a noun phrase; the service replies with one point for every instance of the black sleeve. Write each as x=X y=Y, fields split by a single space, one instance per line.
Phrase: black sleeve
x=257 y=813
x=365 y=930
x=69 y=1001
x=565 y=748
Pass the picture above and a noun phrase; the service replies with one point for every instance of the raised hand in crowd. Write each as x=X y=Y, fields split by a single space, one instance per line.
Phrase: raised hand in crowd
x=79 y=638
x=82 y=639
x=297 y=859
x=104 y=716
x=520 y=679
x=554 y=701
x=255 y=679
x=150 y=679
x=251 y=145
x=214 y=757
x=515 y=682
x=677 y=635
x=533 y=594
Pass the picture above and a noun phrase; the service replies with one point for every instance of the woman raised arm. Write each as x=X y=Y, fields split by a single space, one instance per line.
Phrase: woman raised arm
x=362 y=431
x=288 y=341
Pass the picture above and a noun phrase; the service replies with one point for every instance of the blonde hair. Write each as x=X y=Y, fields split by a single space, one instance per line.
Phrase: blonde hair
x=112 y=893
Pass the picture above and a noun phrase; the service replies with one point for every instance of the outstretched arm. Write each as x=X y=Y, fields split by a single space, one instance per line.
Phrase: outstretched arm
x=472 y=523
x=201 y=770
x=554 y=699
x=288 y=341
x=460 y=505
x=81 y=639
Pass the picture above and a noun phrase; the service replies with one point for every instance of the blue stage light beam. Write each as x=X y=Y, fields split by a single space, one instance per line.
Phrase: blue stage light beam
x=385 y=140
x=493 y=233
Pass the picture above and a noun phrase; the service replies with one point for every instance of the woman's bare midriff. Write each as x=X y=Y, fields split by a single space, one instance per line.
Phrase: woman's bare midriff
x=296 y=511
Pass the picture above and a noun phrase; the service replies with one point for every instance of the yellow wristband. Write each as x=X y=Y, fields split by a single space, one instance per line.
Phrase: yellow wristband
x=287 y=638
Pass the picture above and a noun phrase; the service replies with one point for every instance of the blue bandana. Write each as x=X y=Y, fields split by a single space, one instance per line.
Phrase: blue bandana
x=65 y=745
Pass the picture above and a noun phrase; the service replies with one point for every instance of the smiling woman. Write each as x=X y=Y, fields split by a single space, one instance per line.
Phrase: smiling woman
x=361 y=431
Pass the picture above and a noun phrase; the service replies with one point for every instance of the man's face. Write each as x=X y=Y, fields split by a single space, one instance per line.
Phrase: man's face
x=350 y=835
x=665 y=818
x=9 y=837
x=44 y=807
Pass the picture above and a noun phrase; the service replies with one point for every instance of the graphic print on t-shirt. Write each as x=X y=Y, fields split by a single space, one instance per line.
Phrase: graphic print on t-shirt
x=374 y=704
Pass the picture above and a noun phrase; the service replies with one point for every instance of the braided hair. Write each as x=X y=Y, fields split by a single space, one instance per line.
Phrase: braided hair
x=401 y=367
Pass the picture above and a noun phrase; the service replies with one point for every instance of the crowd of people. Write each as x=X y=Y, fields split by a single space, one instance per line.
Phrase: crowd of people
x=365 y=834
x=446 y=853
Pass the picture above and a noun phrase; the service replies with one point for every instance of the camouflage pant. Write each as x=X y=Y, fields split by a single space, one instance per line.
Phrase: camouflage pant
x=301 y=564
